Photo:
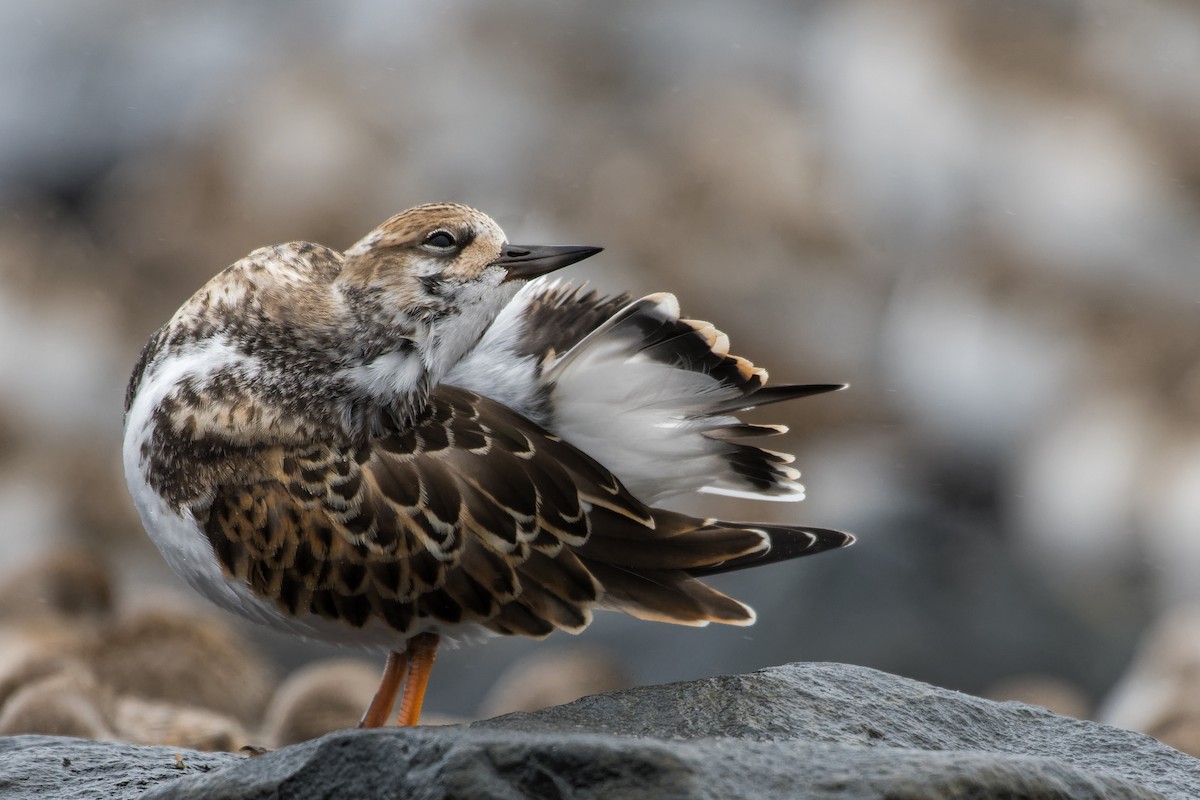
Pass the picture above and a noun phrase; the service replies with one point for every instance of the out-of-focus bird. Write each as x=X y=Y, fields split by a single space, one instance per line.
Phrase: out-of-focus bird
x=422 y=439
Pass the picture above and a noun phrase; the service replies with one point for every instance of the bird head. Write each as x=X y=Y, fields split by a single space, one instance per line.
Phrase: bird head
x=438 y=275
x=447 y=260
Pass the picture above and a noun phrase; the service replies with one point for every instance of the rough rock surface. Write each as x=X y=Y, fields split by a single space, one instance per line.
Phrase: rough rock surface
x=801 y=730
x=60 y=767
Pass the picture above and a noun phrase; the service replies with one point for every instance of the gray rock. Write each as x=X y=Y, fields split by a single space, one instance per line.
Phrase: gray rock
x=443 y=763
x=801 y=730
x=63 y=768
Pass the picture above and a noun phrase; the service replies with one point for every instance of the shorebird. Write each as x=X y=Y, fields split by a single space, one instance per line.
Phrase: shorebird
x=424 y=439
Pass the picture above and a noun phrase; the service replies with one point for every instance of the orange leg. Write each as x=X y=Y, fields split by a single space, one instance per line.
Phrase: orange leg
x=420 y=652
x=385 y=696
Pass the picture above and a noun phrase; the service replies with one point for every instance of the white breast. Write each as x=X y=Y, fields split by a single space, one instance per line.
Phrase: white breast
x=177 y=536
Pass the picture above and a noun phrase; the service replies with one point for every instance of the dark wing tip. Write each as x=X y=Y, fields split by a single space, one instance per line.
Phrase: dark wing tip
x=787 y=542
x=777 y=394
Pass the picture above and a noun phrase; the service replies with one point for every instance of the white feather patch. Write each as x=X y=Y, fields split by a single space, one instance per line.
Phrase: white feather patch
x=494 y=368
x=633 y=415
x=641 y=418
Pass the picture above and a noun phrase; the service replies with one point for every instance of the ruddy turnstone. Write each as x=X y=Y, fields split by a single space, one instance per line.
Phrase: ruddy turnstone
x=421 y=438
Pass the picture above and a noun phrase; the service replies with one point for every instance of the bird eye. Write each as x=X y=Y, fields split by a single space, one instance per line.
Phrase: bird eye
x=441 y=240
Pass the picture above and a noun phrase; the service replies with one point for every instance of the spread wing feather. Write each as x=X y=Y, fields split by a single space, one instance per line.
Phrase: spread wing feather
x=649 y=393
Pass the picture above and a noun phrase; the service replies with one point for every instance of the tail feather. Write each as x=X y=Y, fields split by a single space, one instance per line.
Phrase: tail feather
x=775 y=394
x=744 y=430
x=655 y=575
x=786 y=542
x=700 y=548
x=667 y=596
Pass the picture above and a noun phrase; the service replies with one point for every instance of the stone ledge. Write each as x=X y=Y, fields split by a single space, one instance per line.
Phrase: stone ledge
x=811 y=730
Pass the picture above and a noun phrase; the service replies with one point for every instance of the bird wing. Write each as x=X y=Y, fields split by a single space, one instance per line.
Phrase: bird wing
x=643 y=390
x=474 y=515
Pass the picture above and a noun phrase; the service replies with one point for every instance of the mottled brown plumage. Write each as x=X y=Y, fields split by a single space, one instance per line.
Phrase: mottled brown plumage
x=477 y=515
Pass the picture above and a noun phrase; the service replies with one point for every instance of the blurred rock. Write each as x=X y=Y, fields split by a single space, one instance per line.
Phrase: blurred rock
x=49 y=610
x=97 y=509
x=1181 y=731
x=1169 y=506
x=1053 y=694
x=141 y=721
x=319 y=698
x=554 y=677
x=180 y=656
x=24 y=662
x=69 y=666
x=1160 y=692
x=69 y=584
x=66 y=701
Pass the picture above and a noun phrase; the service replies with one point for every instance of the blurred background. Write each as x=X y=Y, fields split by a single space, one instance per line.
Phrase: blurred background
x=984 y=215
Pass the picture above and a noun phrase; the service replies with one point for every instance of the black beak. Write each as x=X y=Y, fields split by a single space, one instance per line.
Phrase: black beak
x=525 y=263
